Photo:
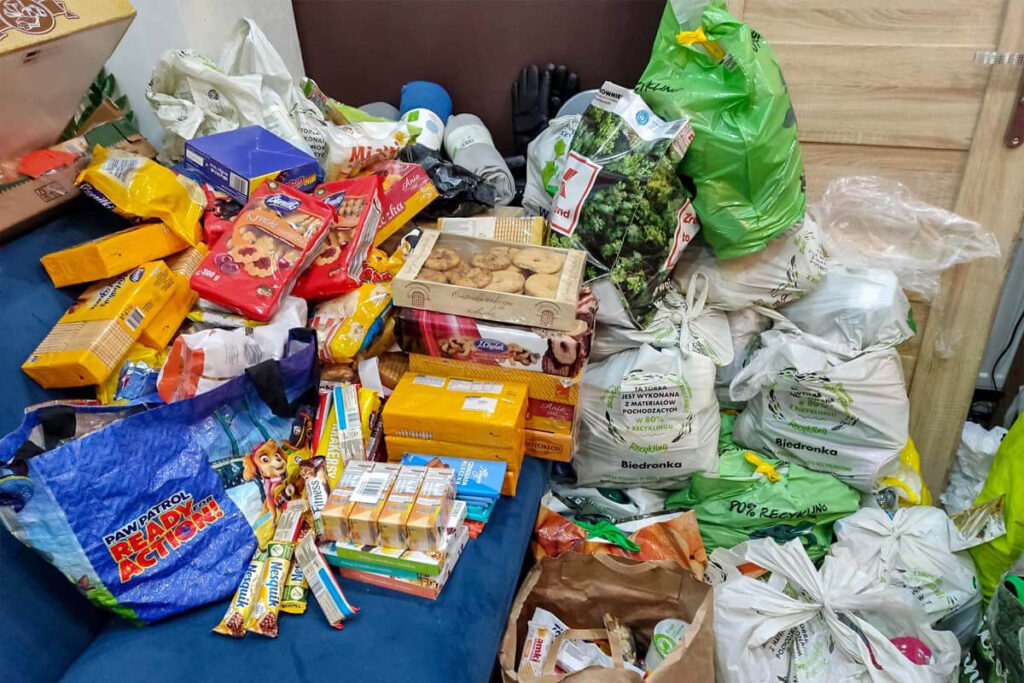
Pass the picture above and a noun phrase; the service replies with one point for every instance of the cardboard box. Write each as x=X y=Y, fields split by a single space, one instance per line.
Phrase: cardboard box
x=557 y=311
x=92 y=337
x=406 y=189
x=456 y=410
x=550 y=446
x=399 y=446
x=112 y=254
x=540 y=387
x=161 y=329
x=425 y=528
x=521 y=230
x=333 y=515
x=562 y=354
x=367 y=502
x=237 y=162
x=50 y=51
x=393 y=518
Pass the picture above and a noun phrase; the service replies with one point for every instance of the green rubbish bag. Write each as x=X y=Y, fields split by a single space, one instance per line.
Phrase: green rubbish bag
x=745 y=158
x=992 y=559
x=754 y=496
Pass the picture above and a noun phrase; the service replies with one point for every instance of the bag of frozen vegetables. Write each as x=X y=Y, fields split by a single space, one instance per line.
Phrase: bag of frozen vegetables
x=620 y=199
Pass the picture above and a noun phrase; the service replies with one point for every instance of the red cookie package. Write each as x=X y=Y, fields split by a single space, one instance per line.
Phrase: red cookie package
x=337 y=266
x=273 y=239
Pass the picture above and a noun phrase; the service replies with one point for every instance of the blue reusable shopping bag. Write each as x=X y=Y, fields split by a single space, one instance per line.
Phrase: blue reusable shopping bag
x=151 y=509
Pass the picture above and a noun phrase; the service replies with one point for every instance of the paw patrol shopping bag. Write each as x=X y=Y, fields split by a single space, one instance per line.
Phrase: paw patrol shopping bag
x=155 y=509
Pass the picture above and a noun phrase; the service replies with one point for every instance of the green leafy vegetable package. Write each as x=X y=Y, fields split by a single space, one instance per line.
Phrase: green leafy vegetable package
x=745 y=158
x=756 y=497
x=620 y=199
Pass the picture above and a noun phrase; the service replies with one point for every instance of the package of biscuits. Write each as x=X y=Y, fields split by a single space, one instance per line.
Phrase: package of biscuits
x=406 y=189
x=338 y=265
x=518 y=229
x=492 y=280
x=561 y=353
x=274 y=239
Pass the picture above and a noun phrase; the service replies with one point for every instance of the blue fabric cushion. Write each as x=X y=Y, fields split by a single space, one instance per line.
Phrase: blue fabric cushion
x=395 y=637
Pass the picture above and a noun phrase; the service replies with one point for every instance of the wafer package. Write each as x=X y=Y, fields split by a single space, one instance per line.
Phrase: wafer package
x=233 y=623
x=165 y=323
x=293 y=599
x=333 y=515
x=425 y=528
x=263 y=615
x=367 y=502
x=314 y=475
x=273 y=240
x=335 y=607
x=398 y=507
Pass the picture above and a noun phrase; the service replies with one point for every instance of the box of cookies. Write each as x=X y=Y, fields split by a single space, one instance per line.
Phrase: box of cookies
x=273 y=240
x=492 y=280
x=337 y=268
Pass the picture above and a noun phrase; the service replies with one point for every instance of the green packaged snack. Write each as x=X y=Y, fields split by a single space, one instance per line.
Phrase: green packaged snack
x=755 y=497
x=745 y=158
x=620 y=199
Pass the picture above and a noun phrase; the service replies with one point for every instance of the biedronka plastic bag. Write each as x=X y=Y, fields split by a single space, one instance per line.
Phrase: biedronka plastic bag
x=650 y=416
x=808 y=403
x=810 y=626
x=916 y=549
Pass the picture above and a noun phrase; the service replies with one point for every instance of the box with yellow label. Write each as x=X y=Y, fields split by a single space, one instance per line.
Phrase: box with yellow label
x=333 y=514
x=398 y=507
x=541 y=387
x=160 y=330
x=90 y=339
x=456 y=410
x=111 y=255
x=397 y=446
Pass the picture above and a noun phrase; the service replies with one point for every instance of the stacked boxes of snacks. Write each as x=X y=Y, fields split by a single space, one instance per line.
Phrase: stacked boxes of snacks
x=396 y=526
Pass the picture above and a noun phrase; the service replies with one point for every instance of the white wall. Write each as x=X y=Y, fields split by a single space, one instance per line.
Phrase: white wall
x=200 y=25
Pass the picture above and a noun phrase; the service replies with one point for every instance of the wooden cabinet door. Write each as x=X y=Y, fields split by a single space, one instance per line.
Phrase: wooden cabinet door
x=894 y=88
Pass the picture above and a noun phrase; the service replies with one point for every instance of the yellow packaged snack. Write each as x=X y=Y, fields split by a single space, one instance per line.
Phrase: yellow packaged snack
x=136 y=187
x=369 y=404
x=262 y=617
x=394 y=516
x=111 y=255
x=160 y=330
x=400 y=445
x=425 y=529
x=92 y=337
x=233 y=623
x=333 y=515
x=454 y=410
x=139 y=360
x=367 y=502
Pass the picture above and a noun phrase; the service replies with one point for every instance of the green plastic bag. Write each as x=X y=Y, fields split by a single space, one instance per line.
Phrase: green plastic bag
x=992 y=559
x=743 y=502
x=745 y=158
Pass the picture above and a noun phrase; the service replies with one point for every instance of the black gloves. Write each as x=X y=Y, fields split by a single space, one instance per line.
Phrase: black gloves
x=537 y=95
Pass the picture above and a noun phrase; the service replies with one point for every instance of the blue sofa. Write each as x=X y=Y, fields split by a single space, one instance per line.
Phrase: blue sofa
x=54 y=633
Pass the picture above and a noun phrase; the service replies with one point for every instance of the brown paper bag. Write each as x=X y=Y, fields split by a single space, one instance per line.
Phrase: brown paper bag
x=580 y=589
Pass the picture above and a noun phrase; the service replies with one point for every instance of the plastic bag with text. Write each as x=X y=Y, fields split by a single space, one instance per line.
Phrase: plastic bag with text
x=836 y=624
x=916 y=549
x=874 y=222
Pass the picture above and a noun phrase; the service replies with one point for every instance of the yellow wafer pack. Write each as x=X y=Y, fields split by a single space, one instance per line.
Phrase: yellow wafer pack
x=159 y=332
x=112 y=254
x=92 y=337
x=137 y=187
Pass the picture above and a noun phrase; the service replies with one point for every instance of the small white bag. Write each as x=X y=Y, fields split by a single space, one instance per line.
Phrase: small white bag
x=916 y=550
x=807 y=626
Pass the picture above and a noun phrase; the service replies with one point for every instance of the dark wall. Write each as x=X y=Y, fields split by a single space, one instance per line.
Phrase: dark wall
x=360 y=51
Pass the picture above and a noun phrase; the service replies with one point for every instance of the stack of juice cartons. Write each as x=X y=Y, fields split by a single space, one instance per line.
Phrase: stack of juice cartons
x=395 y=526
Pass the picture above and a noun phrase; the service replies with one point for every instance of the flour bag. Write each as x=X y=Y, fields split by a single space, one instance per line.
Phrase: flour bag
x=810 y=405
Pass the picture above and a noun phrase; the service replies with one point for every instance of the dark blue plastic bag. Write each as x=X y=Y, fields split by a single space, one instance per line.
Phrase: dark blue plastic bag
x=150 y=509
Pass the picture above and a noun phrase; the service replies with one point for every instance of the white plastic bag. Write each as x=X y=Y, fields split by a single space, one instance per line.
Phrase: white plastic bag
x=649 y=415
x=856 y=309
x=192 y=97
x=874 y=222
x=807 y=626
x=790 y=266
x=201 y=361
x=808 y=404
x=745 y=328
x=545 y=161
x=974 y=456
x=916 y=550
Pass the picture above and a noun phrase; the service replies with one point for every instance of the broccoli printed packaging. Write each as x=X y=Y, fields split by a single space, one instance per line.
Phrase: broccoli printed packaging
x=620 y=198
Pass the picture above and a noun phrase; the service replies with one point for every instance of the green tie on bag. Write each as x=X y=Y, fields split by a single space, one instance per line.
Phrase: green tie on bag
x=745 y=158
x=756 y=497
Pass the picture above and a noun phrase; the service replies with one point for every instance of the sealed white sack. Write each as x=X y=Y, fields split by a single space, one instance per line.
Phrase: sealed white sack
x=809 y=405
x=810 y=626
x=856 y=309
x=745 y=328
x=790 y=266
x=974 y=456
x=915 y=550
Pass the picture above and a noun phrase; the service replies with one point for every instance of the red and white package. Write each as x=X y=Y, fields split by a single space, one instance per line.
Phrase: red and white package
x=219 y=214
x=337 y=266
x=272 y=241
